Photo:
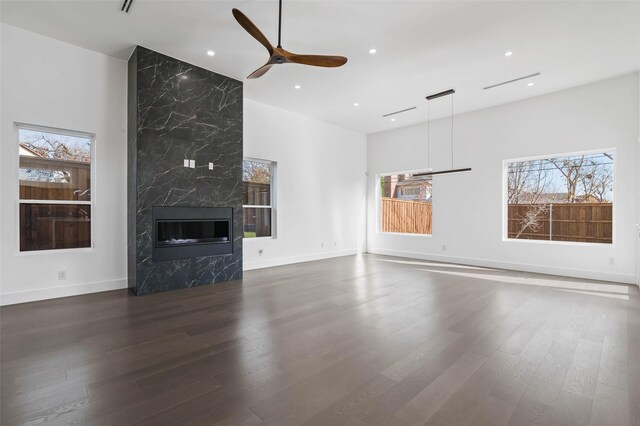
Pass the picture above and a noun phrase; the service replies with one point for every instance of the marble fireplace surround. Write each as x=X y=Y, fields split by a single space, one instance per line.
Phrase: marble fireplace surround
x=178 y=112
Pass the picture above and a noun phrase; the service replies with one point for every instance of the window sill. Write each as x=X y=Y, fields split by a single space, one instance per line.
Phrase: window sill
x=405 y=234
x=57 y=251
x=559 y=243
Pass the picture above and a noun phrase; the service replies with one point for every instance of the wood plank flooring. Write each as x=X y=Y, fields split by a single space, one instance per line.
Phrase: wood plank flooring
x=358 y=340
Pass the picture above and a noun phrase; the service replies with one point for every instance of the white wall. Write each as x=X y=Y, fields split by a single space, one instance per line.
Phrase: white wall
x=637 y=229
x=468 y=207
x=51 y=83
x=321 y=186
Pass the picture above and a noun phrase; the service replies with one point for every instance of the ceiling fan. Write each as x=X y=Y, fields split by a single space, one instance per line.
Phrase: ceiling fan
x=277 y=55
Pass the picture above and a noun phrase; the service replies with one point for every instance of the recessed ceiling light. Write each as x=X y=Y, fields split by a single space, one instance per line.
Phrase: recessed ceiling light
x=356 y=104
x=184 y=77
x=297 y=86
x=509 y=53
x=210 y=52
x=530 y=84
x=372 y=51
x=393 y=119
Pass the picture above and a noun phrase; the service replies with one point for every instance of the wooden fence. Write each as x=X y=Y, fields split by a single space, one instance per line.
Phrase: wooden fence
x=588 y=222
x=411 y=217
x=580 y=222
x=76 y=188
x=55 y=226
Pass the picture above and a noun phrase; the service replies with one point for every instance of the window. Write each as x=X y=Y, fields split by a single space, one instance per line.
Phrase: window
x=257 y=198
x=55 y=189
x=405 y=204
x=561 y=198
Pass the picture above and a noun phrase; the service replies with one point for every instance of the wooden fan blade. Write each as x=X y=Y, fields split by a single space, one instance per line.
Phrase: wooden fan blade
x=252 y=29
x=260 y=71
x=317 y=60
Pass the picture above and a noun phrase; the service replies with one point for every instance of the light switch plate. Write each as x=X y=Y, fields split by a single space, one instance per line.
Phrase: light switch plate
x=210 y=166
x=192 y=164
x=186 y=162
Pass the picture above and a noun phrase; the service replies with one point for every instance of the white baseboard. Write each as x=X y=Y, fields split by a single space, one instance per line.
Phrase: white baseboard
x=268 y=263
x=78 y=289
x=56 y=292
x=525 y=267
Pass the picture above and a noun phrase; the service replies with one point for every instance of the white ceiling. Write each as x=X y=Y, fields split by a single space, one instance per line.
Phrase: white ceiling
x=423 y=47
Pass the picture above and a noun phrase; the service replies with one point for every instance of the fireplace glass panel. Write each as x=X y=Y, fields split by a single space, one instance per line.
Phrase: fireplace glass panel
x=177 y=232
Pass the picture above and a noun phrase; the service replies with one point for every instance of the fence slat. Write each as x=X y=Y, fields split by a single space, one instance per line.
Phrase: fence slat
x=405 y=216
x=579 y=222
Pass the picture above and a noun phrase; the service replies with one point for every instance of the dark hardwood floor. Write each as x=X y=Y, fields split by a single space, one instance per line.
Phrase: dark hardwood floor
x=359 y=340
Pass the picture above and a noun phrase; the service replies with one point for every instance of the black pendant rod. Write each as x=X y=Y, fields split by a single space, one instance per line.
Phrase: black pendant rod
x=428 y=137
x=441 y=94
x=442 y=172
x=280 y=25
x=452 y=131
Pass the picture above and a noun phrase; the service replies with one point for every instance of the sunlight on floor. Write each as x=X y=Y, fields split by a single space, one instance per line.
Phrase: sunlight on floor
x=615 y=291
x=573 y=285
x=441 y=265
x=591 y=293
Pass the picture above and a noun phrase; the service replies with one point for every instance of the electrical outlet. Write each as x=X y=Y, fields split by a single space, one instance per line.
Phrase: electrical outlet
x=260 y=252
x=186 y=162
x=210 y=166
x=612 y=261
x=192 y=164
x=62 y=275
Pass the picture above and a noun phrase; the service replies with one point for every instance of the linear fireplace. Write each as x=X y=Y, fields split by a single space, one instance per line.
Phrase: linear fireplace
x=184 y=232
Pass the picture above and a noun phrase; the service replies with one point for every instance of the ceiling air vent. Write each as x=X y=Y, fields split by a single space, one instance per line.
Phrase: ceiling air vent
x=511 y=81
x=126 y=5
x=398 y=112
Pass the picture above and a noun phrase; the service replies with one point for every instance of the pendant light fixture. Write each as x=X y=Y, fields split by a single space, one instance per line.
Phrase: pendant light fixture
x=430 y=98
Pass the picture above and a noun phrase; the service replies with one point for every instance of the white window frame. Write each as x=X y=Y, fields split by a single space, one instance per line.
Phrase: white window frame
x=378 y=209
x=505 y=201
x=272 y=201
x=16 y=185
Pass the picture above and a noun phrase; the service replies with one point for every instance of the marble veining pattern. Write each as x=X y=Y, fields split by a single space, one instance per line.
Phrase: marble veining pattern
x=182 y=112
